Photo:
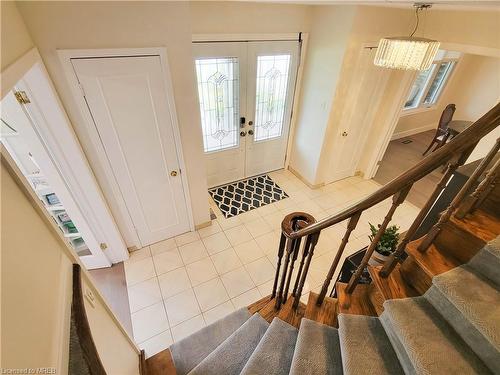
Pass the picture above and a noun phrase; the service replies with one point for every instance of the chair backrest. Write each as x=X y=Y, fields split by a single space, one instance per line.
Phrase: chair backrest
x=446 y=116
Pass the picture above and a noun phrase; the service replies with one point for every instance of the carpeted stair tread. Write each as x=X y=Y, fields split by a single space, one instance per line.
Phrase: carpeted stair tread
x=232 y=354
x=365 y=347
x=273 y=354
x=190 y=351
x=471 y=304
x=487 y=261
x=424 y=342
x=317 y=351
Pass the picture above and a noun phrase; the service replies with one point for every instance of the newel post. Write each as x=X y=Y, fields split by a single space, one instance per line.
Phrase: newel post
x=289 y=248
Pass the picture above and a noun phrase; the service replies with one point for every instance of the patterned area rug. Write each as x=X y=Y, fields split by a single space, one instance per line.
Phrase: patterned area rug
x=242 y=196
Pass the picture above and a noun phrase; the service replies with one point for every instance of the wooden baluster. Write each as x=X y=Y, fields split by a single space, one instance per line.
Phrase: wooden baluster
x=445 y=216
x=295 y=254
x=312 y=240
x=397 y=199
x=469 y=203
x=395 y=257
x=279 y=297
x=305 y=253
x=489 y=188
x=281 y=250
x=353 y=221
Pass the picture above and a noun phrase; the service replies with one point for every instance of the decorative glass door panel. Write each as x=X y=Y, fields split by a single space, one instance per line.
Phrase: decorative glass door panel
x=245 y=91
x=272 y=70
x=270 y=96
x=218 y=91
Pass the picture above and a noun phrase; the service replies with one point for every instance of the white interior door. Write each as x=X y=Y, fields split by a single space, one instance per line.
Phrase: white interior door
x=272 y=70
x=27 y=147
x=221 y=77
x=355 y=124
x=246 y=92
x=127 y=98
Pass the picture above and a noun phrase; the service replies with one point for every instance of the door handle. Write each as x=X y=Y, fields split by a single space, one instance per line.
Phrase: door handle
x=242 y=134
x=344 y=134
x=250 y=123
x=173 y=173
x=250 y=132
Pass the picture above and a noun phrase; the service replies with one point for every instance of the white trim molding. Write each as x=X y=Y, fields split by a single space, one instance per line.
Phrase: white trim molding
x=294 y=36
x=413 y=131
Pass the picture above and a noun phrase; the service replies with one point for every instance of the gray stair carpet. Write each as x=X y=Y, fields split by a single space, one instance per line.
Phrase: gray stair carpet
x=317 y=351
x=190 y=351
x=365 y=347
x=424 y=342
x=232 y=354
x=487 y=261
x=273 y=355
x=471 y=304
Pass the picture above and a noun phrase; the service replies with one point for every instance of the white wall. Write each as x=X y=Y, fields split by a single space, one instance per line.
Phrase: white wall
x=77 y=25
x=36 y=274
x=330 y=30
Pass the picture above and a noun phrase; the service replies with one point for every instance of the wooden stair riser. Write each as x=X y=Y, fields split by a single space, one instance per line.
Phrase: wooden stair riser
x=357 y=303
x=391 y=287
x=458 y=243
x=326 y=313
x=414 y=275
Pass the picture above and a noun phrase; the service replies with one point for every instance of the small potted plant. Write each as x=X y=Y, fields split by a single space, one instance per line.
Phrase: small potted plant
x=386 y=246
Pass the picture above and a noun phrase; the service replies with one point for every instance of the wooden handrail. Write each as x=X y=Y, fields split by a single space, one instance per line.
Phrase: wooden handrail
x=299 y=225
x=84 y=344
x=458 y=145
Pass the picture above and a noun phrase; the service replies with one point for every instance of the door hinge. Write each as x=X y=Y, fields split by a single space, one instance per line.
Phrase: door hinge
x=22 y=97
x=82 y=90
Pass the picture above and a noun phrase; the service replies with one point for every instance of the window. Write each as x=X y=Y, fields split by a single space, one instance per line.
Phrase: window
x=428 y=85
x=270 y=101
x=218 y=90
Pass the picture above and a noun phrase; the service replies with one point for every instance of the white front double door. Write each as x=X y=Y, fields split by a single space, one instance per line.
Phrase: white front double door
x=246 y=93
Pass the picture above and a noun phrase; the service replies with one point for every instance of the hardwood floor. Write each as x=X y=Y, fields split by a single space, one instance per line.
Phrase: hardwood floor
x=111 y=283
x=399 y=157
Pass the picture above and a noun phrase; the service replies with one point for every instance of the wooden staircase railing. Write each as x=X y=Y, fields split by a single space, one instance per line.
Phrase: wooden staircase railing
x=300 y=228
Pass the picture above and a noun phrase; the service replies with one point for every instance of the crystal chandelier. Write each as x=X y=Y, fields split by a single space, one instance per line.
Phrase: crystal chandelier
x=407 y=53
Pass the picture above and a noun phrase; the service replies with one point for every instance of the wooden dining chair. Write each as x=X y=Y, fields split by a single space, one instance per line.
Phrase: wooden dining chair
x=442 y=129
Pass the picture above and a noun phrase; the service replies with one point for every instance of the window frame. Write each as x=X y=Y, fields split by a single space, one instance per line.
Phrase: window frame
x=421 y=106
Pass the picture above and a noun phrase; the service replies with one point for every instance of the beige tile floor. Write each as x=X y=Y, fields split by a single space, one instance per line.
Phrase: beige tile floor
x=179 y=285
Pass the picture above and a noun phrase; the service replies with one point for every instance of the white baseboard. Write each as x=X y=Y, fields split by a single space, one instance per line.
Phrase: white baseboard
x=409 y=132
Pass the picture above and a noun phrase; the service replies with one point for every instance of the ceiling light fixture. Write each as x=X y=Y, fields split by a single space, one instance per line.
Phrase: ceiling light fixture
x=407 y=53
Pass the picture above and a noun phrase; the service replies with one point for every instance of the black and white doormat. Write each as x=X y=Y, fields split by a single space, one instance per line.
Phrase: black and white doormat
x=242 y=196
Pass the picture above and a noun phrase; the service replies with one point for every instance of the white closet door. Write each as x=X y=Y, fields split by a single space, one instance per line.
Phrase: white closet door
x=127 y=98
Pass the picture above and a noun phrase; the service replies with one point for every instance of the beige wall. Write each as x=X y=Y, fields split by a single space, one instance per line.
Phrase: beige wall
x=35 y=284
x=77 y=25
x=328 y=38
x=474 y=87
x=14 y=36
x=248 y=18
x=475 y=91
x=369 y=25
x=36 y=271
x=457 y=30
